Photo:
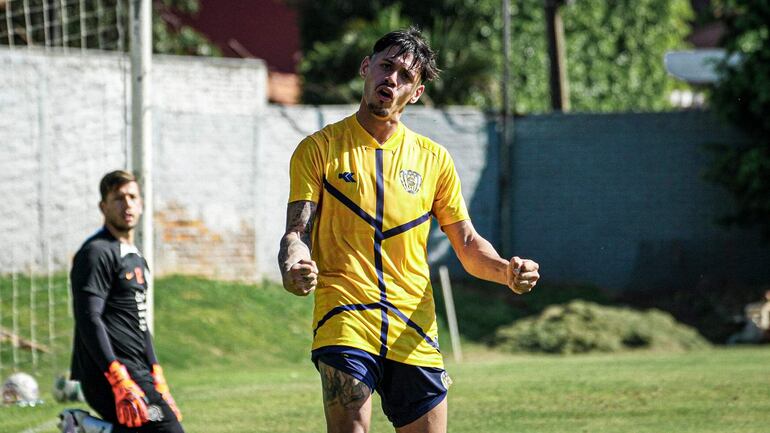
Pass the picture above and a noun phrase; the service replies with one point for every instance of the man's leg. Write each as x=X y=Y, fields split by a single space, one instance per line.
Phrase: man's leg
x=347 y=401
x=99 y=396
x=435 y=421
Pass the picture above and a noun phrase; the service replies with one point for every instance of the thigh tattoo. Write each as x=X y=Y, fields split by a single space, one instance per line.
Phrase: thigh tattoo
x=343 y=389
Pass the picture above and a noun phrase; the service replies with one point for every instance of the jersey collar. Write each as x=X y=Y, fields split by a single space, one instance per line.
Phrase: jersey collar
x=362 y=136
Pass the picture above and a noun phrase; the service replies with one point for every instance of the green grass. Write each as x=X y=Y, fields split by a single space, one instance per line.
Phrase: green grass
x=721 y=390
x=236 y=358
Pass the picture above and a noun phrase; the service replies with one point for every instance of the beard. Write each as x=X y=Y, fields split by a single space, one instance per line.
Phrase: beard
x=377 y=110
x=121 y=224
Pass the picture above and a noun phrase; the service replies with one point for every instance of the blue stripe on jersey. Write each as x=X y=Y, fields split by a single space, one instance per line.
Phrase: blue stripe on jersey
x=373 y=306
x=377 y=223
x=351 y=307
x=380 y=205
x=349 y=203
x=404 y=227
x=411 y=324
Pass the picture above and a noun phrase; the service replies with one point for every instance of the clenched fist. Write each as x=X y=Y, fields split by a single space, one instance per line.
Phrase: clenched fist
x=301 y=277
x=522 y=275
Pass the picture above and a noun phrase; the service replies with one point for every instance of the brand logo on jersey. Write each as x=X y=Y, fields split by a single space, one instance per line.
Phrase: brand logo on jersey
x=347 y=176
x=141 y=308
x=139 y=275
x=411 y=181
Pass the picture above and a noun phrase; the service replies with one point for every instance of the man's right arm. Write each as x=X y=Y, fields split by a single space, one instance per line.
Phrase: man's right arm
x=298 y=271
x=90 y=280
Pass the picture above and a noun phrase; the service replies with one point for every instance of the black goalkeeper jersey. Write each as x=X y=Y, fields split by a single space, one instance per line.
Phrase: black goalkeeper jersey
x=109 y=288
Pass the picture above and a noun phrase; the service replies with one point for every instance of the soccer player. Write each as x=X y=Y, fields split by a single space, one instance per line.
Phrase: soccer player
x=362 y=193
x=113 y=355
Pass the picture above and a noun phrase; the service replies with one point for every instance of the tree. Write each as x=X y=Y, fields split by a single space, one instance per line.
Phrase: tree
x=614 y=49
x=742 y=97
x=469 y=51
x=171 y=36
x=615 y=52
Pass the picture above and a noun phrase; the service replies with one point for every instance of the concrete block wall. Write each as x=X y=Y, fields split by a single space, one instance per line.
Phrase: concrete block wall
x=220 y=159
x=64 y=123
x=616 y=200
x=464 y=131
x=206 y=144
x=61 y=123
x=620 y=201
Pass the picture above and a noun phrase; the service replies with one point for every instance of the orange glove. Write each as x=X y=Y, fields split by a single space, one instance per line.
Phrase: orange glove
x=162 y=387
x=130 y=403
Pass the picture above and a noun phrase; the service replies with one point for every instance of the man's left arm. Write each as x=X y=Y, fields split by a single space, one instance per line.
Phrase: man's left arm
x=480 y=259
x=158 y=377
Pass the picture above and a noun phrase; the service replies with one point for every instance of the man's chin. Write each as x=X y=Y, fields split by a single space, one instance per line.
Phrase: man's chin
x=379 y=112
x=124 y=226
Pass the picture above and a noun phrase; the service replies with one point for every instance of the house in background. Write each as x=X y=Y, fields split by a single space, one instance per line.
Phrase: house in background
x=264 y=29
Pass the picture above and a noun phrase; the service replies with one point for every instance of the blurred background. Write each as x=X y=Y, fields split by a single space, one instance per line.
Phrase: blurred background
x=634 y=186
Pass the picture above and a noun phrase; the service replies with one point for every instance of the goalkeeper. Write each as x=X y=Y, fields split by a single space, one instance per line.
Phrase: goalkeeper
x=113 y=355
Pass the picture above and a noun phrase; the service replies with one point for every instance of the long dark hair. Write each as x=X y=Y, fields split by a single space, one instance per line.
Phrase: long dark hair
x=410 y=41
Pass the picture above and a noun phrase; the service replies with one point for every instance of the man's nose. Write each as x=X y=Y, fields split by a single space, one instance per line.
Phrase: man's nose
x=392 y=78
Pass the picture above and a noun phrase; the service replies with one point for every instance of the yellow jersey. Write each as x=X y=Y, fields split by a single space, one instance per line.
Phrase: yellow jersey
x=374 y=206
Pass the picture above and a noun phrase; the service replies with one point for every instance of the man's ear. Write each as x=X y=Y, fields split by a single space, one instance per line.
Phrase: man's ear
x=101 y=206
x=364 y=68
x=417 y=93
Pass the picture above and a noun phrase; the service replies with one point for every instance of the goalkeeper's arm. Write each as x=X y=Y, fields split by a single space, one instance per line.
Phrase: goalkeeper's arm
x=159 y=379
x=130 y=404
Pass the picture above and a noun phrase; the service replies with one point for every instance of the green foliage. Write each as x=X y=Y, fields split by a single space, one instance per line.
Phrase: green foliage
x=614 y=50
x=581 y=327
x=714 y=306
x=742 y=97
x=330 y=66
x=483 y=307
x=334 y=65
x=171 y=36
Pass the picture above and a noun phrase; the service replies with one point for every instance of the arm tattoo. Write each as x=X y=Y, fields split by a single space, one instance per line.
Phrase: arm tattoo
x=342 y=389
x=299 y=219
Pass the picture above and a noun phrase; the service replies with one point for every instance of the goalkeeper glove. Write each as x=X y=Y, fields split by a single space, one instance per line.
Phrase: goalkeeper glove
x=130 y=402
x=162 y=387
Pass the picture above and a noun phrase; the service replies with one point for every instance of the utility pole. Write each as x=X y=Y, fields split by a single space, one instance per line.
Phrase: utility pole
x=557 y=56
x=504 y=163
x=141 y=132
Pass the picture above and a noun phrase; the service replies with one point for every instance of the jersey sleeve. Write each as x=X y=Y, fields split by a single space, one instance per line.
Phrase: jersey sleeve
x=88 y=309
x=306 y=172
x=448 y=205
x=92 y=271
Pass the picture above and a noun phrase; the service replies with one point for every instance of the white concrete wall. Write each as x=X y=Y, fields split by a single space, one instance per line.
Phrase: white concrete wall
x=64 y=123
x=221 y=158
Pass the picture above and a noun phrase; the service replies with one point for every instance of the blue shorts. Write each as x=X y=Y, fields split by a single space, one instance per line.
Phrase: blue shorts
x=407 y=391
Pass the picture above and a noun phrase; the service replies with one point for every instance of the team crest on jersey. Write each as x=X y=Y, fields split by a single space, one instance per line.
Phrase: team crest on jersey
x=445 y=379
x=411 y=181
x=154 y=413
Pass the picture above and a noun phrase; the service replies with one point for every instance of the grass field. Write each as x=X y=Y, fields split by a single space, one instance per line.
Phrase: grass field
x=235 y=356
